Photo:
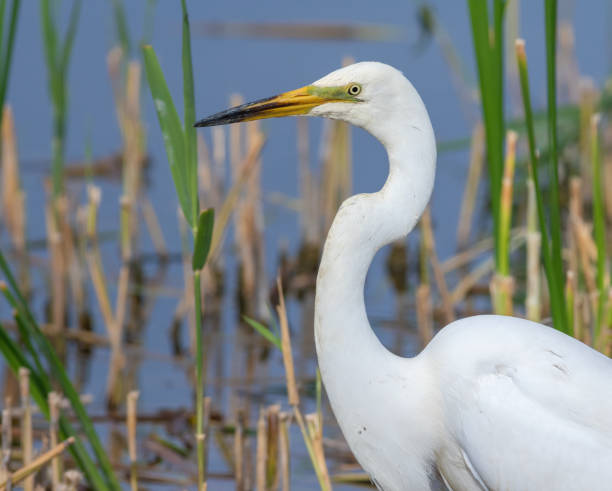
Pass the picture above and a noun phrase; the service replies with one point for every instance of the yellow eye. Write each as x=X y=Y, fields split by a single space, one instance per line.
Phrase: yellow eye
x=354 y=89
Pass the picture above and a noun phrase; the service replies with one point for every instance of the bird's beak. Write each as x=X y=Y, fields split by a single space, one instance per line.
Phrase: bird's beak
x=299 y=101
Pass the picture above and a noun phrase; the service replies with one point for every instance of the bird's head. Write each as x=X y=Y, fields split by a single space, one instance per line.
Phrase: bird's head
x=365 y=94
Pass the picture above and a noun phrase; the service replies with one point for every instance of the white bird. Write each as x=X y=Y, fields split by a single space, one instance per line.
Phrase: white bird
x=492 y=403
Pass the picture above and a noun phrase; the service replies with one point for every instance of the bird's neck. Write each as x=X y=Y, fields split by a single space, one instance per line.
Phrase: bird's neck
x=364 y=224
x=348 y=350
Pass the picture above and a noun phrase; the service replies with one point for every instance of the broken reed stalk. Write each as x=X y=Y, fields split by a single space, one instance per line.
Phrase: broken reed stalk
x=239 y=451
x=284 y=450
x=533 y=302
x=272 y=446
x=26 y=424
x=54 y=415
x=262 y=451
x=36 y=464
x=7 y=442
x=502 y=284
x=292 y=392
x=131 y=422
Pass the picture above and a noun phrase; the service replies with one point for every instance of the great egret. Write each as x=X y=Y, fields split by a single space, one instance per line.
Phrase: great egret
x=496 y=403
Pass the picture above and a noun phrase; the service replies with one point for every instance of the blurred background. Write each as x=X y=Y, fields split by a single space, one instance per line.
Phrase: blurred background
x=280 y=185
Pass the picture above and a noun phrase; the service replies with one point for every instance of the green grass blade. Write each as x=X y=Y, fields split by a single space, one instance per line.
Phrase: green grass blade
x=15 y=360
x=73 y=22
x=191 y=157
x=49 y=35
x=123 y=33
x=59 y=373
x=6 y=48
x=2 y=11
x=488 y=51
x=599 y=223
x=556 y=289
x=264 y=331
x=553 y=204
x=203 y=238
x=172 y=131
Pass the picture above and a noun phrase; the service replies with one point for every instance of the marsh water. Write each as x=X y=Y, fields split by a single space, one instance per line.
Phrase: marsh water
x=242 y=370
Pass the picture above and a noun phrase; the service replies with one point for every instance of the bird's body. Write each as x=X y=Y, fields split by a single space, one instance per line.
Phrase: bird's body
x=492 y=402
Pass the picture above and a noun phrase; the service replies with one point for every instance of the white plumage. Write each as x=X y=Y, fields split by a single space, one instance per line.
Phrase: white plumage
x=492 y=402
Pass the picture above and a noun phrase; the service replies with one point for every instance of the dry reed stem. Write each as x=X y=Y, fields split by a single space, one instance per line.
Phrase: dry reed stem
x=248 y=219
x=13 y=198
x=239 y=451
x=568 y=76
x=230 y=200
x=430 y=245
x=7 y=442
x=26 y=424
x=309 y=200
x=468 y=281
x=126 y=224
x=315 y=431
x=424 y=313
x=284 y=450
x=588 y=104
x=468 y=203
x=262 y=451
x=131 y=424
x=152 y=222
x=37 y=463
x=114 y=322
x=54 y=414
x=54 y=217
x=292 y=392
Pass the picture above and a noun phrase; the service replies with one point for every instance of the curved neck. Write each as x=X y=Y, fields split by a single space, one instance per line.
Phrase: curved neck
x=363 y=225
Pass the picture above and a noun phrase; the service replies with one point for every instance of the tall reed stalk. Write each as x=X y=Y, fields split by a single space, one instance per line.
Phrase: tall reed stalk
x=487 y=35
x=181 y=149
x=551 y=256
x=57 y=58
x=599 y=222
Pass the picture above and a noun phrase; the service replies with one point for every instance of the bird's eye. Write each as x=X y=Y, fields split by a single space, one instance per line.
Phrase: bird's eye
x=354 y=89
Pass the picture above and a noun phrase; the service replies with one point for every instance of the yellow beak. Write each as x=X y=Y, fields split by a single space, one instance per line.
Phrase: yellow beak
x=299 y=101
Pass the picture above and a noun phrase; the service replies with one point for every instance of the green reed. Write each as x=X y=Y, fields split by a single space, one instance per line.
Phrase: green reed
x=7 y=42
x=57 y=58
x=181 y=149
x=487 y=34
x=45 y=368
x=550 y=230
x=599 y=226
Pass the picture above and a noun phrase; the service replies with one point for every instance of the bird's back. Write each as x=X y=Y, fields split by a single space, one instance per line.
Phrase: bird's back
x=525 y=406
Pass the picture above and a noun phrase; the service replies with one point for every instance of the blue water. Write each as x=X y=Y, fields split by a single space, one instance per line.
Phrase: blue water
x=258 y=68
